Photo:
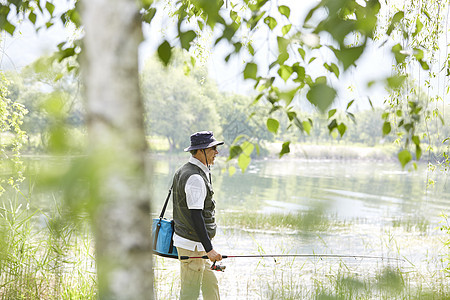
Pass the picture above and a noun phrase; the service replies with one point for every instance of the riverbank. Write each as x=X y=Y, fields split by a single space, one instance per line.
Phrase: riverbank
x=335 y=152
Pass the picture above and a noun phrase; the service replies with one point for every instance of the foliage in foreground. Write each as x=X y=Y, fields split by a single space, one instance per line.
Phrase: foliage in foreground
x=41 y=257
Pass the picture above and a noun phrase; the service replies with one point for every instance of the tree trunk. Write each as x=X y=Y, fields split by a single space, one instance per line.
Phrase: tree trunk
x=117 y=147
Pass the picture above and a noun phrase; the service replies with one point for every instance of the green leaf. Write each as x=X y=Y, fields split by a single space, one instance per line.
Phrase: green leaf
x=321 y=96
x=231 y=170
x=332 y=68
x=307 y=126
x=331 y=113
x=285 y=72
x=399 y=56
x=186 y=38
x=250 y=49
x=165 y=52
x=416 y=140
x=351 y=116
x=419 y=27
x=291 y=115
x=149 y=14
x=285 y=29
x=425 y=12
x=271 y=22
x=274 y=108
x=8 y=27
x=211 y=9
x=73 y=16
x=234 y=151
x=395 y=19
x=285 y=148
x=50 y=8
x=386 y=128
x=282 y=44
x=424 y=65
x=298 y=123
x=396 y=81
x=282 y=57
x=247 y=148
x=418 y=54
x=302 y=53
x=348 y=56
x=288 y=96
x=62 y=54
x=334 y=134
x=250 y=71
x=404 y=157
x=273 y=125
x=233 y=15
x=300 y=71
x=370 y=102
x=32 y=17
x=418 y=152
x=257 y=149
x=333 y=124
x=321 y=79
x=146 y=3
x=350 y=104
x=237 y=47
x=342 y=128
x=284 y=10
x=243 y=161
x=311 y=12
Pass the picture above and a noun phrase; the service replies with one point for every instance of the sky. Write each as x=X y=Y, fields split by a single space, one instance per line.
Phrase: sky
x=27 y=45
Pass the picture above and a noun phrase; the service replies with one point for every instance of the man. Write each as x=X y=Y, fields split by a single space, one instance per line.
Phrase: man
x=194 y=217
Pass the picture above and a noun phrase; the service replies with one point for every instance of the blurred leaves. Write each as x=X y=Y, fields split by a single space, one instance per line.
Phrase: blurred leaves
x=165 y=52
x=404 y=157
x=321 y=95
x=285 y=149
x=273 y=125
x=250 y=71
x=349 y=23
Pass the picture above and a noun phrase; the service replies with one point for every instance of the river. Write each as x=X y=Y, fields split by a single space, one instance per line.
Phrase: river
x=370 y=208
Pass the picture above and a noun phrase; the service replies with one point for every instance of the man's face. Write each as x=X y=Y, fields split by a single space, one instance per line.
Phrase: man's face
x=211 y=154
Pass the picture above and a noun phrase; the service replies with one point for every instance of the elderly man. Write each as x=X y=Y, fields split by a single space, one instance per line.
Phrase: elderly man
x=194 y=217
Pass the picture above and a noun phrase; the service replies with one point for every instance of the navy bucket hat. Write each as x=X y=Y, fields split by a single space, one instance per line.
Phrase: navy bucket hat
x=202 y=140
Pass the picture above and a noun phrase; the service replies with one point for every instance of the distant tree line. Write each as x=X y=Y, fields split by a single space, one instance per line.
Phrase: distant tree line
x=180 y=100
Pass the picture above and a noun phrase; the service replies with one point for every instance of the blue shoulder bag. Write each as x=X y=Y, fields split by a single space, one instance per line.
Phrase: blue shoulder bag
x=162 y=232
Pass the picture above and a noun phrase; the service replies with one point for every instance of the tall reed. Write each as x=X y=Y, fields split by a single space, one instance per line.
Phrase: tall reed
x=41 y=256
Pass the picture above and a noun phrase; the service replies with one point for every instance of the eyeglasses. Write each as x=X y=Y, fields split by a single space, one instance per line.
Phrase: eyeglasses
x=213 y=148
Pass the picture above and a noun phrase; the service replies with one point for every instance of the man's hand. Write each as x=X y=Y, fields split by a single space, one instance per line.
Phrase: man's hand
x=214 y=256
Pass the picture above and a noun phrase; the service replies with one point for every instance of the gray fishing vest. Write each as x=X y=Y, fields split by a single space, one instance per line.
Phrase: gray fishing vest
x=184 y=226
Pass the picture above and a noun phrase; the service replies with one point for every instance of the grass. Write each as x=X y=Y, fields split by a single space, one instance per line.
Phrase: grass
x=337 y=151
x=412 y=224
x=313 y=220
x=41 y=257
x=385 y=283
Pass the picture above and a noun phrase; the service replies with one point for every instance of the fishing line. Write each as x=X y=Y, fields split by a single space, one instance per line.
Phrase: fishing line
x=299 y=255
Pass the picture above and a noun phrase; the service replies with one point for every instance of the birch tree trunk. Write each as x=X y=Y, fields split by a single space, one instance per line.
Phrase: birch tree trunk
x=117 y=146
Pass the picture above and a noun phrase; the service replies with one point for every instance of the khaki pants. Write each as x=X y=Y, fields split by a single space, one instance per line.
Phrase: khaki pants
x=195 y=273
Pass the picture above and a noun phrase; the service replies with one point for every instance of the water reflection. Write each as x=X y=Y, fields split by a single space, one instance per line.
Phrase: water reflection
x=378 y=191
x=300 y=206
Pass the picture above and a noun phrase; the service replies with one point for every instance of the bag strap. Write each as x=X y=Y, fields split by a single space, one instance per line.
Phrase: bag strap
x=165 y=204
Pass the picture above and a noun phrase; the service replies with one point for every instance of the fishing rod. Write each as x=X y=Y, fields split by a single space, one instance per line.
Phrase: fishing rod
x=298 y=255
x=222 y=268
